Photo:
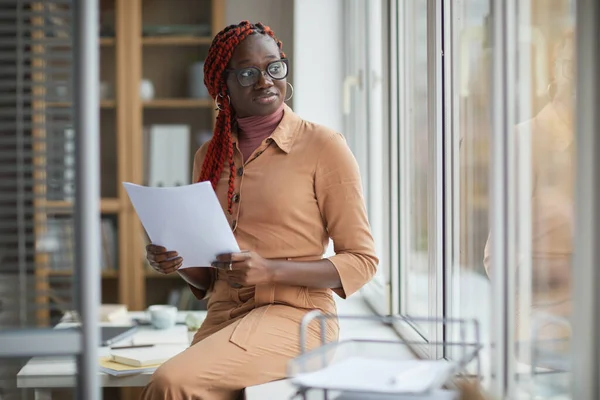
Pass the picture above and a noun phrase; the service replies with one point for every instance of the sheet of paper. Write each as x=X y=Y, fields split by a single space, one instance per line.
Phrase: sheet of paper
x=187 y=219
x=379 y=376
x=175 y=335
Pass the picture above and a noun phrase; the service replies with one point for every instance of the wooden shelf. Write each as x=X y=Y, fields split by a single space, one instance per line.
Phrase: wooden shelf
x=106 y=205
x=107 y=41
x=127 y=59
x=176 y=41
x=105 y=274
x=179 y=103
x=65 y=104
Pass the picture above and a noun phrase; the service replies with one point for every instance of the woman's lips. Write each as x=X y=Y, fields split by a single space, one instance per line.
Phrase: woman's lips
x=266 y=98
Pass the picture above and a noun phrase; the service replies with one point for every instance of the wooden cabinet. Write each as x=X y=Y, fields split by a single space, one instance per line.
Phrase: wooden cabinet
x=166 y=60
x=158 y=42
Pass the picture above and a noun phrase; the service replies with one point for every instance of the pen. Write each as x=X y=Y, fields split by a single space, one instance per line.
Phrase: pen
x=132 y=346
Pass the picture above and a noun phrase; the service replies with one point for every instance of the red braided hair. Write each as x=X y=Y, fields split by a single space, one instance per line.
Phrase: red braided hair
x=220 y=147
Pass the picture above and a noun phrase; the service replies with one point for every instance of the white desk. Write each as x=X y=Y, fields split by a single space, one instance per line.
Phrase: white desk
x=44 y=373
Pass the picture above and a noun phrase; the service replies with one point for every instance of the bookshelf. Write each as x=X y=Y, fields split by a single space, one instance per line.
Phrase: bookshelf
x=139 y=40
x=173 y=103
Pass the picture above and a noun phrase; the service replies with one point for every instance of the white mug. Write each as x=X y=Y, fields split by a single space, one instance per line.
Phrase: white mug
x=162 y=316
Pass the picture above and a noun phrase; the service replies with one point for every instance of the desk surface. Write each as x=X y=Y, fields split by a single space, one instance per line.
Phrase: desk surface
x=60 y=372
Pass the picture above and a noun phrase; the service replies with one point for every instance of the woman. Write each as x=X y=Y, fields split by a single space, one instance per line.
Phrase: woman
x=286 y=186
x=552 y=166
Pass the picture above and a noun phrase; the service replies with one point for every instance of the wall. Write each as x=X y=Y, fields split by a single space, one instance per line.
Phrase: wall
x=318 y=61
x=277 y=14
x=311 y=32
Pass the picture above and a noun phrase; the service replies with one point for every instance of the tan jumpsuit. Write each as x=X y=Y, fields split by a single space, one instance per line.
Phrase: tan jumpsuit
x=300 y=187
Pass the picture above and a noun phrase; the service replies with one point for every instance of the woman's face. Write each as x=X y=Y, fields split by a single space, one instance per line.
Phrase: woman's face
x=266 y=95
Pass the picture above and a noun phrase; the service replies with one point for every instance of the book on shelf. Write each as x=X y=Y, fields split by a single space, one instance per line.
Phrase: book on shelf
x=167 y=155
x=59 y=242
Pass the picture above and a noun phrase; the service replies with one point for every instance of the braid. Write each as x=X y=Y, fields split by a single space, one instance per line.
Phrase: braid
x=220 y=148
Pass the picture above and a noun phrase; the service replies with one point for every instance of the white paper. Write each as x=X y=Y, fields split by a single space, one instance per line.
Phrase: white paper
x=379 y=376
x=186 y=219
x=177 y=334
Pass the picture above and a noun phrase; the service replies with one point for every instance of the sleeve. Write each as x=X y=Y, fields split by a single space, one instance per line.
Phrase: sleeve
x=338 y=189
x=196 y=169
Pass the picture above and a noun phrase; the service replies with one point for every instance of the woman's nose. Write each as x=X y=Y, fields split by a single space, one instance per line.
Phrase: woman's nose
x=264 y=80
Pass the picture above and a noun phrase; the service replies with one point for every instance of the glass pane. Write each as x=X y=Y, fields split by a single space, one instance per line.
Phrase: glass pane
x=545 y=149
x=469 y=296
x=416 y=196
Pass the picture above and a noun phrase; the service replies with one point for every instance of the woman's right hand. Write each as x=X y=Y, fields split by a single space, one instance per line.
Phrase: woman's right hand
x=163 y=261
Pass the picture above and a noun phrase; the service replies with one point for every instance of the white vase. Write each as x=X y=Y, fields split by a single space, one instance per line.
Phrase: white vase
x=146 y=90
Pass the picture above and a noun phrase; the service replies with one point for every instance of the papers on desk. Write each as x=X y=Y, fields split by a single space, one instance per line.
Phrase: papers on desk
x=116 y=369
x=178 y=334
x=187 y=219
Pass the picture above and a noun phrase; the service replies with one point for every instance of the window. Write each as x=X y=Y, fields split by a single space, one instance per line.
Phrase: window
x=544 y=156
x=458 y=147
x=364 y=116
x=416 y=139
x=468 y=134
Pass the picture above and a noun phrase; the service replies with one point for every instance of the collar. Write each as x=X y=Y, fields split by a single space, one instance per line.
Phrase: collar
x=285 y=133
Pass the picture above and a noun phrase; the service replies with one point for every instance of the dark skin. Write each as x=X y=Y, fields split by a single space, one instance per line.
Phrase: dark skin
x=247 y=267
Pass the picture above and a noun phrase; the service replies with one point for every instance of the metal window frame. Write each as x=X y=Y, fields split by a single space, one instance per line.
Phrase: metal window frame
x=586 y=275
x=435 y=117
x=451 y=167
x=81 y=343
x=377 y=292
x=87 y=220
x=502 y=216
x=395 y=116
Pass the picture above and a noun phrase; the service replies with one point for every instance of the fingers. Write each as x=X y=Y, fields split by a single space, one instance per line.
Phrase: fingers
x=154 y=248
x=234 y=257
x=235 y=278
x=161 y=260
x=170 y=255
x=166 y=267
x=224 y=265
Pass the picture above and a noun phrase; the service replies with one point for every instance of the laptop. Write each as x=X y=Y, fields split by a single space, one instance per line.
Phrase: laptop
x=112 y=334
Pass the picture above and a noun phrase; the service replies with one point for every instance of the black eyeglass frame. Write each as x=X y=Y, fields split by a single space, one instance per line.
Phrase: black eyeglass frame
x=237 y=71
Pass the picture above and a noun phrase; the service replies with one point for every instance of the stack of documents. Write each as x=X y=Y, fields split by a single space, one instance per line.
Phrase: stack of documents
x=116 y=369
x=136 y=360
x=187 y=219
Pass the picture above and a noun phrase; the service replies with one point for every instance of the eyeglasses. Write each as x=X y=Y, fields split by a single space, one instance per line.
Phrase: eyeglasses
x=249 y=76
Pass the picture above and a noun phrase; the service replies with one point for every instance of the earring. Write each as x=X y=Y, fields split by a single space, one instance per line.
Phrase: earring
x=292 y=95
x=217 y=105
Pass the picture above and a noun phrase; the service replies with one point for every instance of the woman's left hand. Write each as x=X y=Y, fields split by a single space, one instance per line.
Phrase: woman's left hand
x=246 y=268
